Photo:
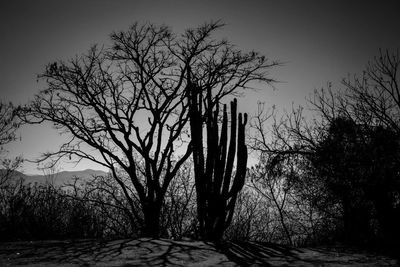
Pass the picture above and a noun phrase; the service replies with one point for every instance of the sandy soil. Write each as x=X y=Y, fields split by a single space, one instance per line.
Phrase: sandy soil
x=153 y=252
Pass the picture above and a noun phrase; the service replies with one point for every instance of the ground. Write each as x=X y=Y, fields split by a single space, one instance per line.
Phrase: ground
x=162 y=252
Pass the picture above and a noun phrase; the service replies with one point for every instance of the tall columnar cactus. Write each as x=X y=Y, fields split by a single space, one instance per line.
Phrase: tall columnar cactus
x=217 y=184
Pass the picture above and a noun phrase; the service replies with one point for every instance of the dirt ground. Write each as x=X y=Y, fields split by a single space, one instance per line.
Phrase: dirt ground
x=161 y=252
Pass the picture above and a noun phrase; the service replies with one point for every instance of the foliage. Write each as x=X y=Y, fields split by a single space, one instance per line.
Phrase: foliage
x=357 y=156
x=359 y=167
x=343 y=164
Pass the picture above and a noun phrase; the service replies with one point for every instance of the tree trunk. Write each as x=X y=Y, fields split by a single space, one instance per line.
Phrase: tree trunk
x=151 y=213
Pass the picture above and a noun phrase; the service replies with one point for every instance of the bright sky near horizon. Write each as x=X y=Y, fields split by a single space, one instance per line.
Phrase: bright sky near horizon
x=319 y=43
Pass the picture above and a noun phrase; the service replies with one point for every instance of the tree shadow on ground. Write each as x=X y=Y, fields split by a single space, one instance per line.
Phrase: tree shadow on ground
x=256 y=253
x=162 y=252
x=138 y=252
x=269 y=254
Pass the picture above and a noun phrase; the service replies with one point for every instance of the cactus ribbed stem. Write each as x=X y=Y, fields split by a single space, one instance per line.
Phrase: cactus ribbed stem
x=217 y=187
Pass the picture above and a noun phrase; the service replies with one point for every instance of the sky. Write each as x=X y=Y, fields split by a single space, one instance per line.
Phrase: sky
x=317 y=42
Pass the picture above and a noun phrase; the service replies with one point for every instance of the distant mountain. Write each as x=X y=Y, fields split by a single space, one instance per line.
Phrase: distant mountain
x=57 y=179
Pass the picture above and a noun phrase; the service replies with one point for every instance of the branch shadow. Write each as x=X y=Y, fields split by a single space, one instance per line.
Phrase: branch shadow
x=269 y=254
x=163 y=252
x=126 y=253
x=257 y=253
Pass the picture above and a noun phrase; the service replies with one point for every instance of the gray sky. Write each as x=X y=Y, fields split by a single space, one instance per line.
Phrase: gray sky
x=320 y=43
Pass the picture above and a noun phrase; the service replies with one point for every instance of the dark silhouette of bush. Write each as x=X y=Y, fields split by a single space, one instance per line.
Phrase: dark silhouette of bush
x=91 y=209
x=44 y=212
x=359 y=166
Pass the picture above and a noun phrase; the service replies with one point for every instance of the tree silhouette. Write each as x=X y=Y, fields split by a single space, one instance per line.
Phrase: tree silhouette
x=346 y=155
x=361 y=125
x=8 y=125
x=8 y=128
x=359 y=168
x=128 y=103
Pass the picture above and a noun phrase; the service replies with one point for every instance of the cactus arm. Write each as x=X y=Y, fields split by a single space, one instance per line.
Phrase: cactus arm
x=222 y=149
x=239 y=179
x=231 y=151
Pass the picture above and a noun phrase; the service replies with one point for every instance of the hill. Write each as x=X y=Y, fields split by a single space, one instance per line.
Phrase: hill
x=57 y=179
x=164 y=252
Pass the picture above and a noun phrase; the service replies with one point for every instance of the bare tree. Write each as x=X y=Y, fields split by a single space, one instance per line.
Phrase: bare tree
x=372 y=98
x=252 y=220
x=8 y=125
x=283 y=174
x=8 y=128
x=179 y=208
x=128 y=103
x=267 y=181
x=337 y=152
